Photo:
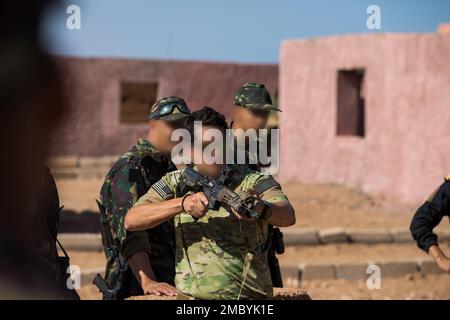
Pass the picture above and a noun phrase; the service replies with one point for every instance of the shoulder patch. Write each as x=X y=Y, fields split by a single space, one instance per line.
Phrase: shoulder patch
x=447 y=178
x=162 y=189
x=265 y=184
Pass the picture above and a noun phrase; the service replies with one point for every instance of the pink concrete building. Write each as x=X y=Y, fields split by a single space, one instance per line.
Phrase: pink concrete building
x=369 y=111
x=110 y=98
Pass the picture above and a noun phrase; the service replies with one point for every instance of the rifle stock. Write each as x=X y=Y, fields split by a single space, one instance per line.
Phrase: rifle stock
x=102 y=285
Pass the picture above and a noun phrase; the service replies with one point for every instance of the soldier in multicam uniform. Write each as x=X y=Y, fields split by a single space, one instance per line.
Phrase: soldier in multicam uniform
x=150 y=254
x=427 y=217
x=219 y=254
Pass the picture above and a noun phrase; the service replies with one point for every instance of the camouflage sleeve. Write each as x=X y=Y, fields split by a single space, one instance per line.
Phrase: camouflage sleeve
x=163 y=189
x=123 y=196
x=273 y=194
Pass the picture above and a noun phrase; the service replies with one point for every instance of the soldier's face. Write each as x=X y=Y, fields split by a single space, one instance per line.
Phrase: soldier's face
x=159 y=135
x=208 y=150
x=250 y=119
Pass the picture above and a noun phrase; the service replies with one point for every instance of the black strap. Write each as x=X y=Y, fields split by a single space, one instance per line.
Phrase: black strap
x=62 y=248
x=55 y=238
x=265 y=185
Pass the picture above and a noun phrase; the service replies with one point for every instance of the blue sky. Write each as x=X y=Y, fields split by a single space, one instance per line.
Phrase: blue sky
x=232 y=30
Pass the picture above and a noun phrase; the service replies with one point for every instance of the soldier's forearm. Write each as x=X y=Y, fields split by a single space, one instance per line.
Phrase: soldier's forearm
x=436 y=253
x=147 y=216
x=281 y=215
x=141 y=267
x=441 y=259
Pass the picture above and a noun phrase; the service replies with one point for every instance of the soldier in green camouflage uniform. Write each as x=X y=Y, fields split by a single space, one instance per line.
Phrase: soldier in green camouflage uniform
x=253 y=105
x=219 y=254
x=130 y=177
x=254 y=96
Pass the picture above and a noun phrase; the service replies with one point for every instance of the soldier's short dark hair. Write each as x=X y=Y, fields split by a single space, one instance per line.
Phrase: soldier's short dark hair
x=208 y=117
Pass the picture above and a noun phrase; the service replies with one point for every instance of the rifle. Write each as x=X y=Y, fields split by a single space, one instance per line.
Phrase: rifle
x=218 y=194
x=113 y=252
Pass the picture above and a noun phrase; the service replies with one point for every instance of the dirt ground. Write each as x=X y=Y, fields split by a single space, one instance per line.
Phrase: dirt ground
x=348 y=253
x=414 y=286
x=409 y=287
x=317 y=206
x=330 y=205
x=336 y=253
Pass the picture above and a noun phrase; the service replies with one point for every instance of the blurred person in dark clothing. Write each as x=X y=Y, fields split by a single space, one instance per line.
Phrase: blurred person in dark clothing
x=31 y=104
x=427 y=217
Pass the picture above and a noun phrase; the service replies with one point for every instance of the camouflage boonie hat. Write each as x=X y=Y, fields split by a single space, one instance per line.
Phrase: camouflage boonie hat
x=254 y=96
x=169 y=109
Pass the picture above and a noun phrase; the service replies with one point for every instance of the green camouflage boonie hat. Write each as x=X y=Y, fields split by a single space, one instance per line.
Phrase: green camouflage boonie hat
x=169 y=109
x=254 y=96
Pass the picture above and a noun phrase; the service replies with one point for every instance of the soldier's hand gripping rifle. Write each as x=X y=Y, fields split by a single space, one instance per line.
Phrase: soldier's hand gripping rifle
x=219 y=194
